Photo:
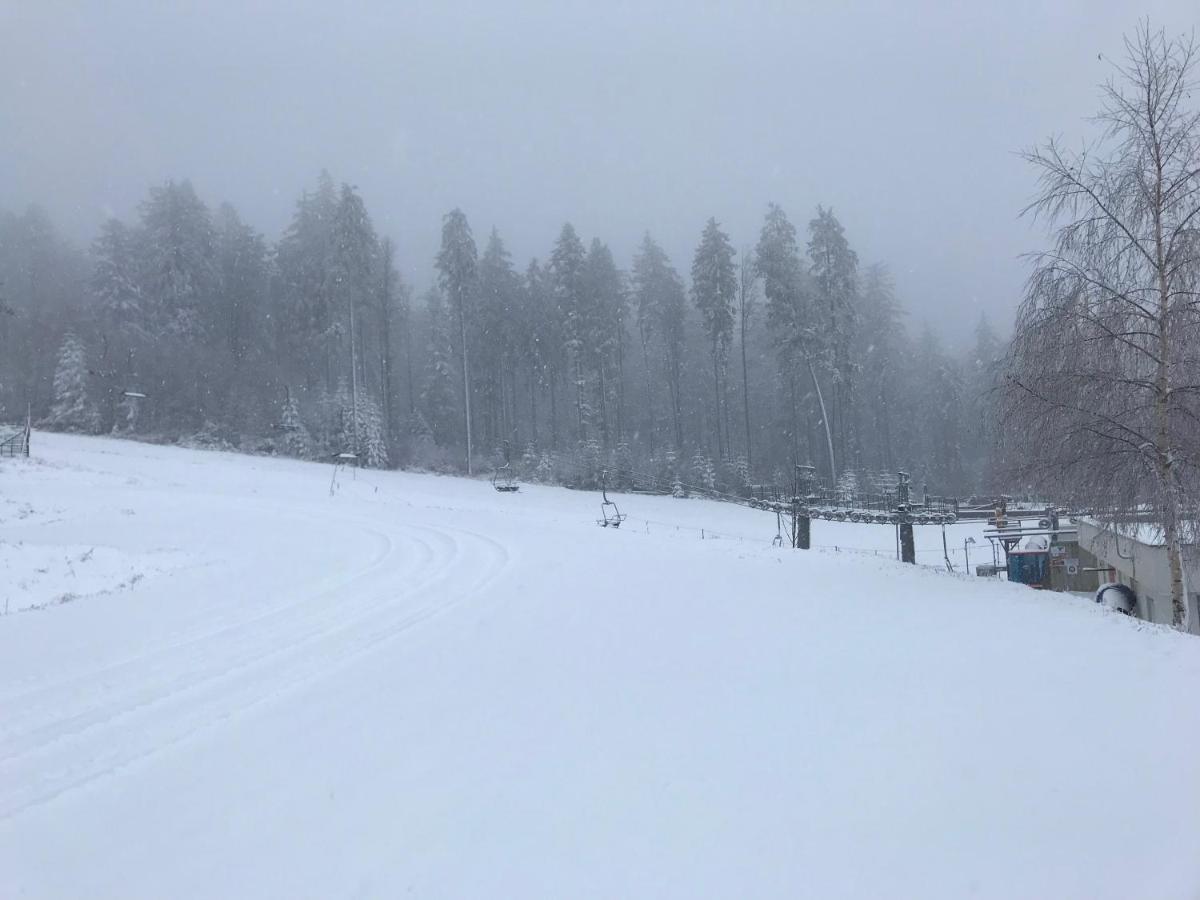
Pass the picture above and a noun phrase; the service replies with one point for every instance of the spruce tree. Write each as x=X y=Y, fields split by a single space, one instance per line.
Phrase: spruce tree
x=437 y=391
x=604 y=327
x=834 y=270
x=296 y=440
x=714 y=289
x=457 y=264
x=661 y=304
x=567 y=263
x=497 y=339
x=73 y=409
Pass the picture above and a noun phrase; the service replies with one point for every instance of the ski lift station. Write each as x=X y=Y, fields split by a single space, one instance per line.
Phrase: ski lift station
x=1135 y=561
x=1125 y=568
x=1041 y=552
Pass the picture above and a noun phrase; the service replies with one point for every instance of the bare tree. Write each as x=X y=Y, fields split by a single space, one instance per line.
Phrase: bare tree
x=1103 y=374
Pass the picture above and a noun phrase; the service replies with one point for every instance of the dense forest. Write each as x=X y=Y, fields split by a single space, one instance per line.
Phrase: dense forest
x=188 y=325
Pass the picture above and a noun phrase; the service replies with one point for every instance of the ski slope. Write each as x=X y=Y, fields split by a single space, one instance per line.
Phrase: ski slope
x=219 y=679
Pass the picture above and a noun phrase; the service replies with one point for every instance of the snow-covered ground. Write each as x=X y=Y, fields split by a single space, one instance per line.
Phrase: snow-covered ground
x=415 y=686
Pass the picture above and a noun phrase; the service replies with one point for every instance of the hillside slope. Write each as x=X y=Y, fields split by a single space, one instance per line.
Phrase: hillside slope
x=221 y=678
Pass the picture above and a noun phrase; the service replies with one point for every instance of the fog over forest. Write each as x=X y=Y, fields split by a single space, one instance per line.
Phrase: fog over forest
x=198 y=199
x=619 y=117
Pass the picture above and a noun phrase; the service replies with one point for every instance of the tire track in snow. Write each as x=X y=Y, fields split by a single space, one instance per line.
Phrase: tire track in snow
x=274 y=655
x=87 y=678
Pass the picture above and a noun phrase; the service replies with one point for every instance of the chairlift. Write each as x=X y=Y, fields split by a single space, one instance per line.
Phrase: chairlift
x=610 y=515
x=502 y=476
x=503 y=480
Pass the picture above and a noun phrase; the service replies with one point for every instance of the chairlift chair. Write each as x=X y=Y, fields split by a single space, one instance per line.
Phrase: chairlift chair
x=502 y=476
x=610 y=515
x=503 y=481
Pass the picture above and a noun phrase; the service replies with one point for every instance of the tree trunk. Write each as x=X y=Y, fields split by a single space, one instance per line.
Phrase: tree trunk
x=553 y=413
x=746 y=394
x=717 y=399
x=825 y=419
x=648 y=380
x=1165 y=456
x=621 y=384
x=533 y=385
x=466 y=377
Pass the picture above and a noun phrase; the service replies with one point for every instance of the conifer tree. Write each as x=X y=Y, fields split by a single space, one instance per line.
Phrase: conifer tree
x=73 y=409
x=567 y=279
x=296 y=440
x=883 y=351
x=834 y=270
x=457 y=264
x=714 y=290
x=791 y=320
x=437 y=391
x=181 y=250
x=604 y=327
x=497 y=339
x=661 y=308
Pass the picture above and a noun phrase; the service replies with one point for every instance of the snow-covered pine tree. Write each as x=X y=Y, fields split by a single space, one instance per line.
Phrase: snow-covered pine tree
x=794 y=324
x=714 y=289
x=589 y=463
x=741 y=473
x=304 y=260
x=834 y=269
x=73 y=409
x=529 y=461
x=546 y=467
x=604 y=307
x=115 y=276
x=458 y=271
x=567 y=263
x=437 y=391
x=372 y=440
x=884 y=356
x=296 y=440
x=703 y=474
x=661 y=304
x=623 y=466
x=181 y=250
x=497 y=336
x=424 y=450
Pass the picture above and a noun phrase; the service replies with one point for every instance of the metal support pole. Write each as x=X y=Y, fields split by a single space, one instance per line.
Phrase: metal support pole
x=803 y=532
x=908 y=546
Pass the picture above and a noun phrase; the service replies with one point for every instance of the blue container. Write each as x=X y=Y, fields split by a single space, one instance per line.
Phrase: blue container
x=1031 y=567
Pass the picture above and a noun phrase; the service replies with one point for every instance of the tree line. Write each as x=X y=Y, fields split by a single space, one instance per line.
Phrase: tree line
x=188 y=324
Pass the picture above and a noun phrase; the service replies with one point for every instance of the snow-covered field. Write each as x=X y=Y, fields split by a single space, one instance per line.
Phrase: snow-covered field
x=219 y=680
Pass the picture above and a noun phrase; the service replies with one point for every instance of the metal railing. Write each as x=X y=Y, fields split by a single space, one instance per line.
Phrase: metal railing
x=14 y=441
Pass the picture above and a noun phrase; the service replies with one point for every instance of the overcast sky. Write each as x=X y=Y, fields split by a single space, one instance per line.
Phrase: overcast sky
x=619 y=117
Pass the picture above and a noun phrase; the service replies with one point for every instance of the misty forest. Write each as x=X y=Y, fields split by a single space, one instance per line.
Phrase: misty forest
x=759 y=353
x=526 y=449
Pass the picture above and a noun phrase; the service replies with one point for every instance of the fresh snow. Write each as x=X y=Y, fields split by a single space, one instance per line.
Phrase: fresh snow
x=417 y=686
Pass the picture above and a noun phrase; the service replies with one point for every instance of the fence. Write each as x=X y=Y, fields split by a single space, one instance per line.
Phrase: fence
x=14 y=440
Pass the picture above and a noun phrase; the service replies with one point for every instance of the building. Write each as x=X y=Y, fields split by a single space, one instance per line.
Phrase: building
x=1139 y=561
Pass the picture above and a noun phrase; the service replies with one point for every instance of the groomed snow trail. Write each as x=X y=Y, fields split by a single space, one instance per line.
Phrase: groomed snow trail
x=417 y=686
